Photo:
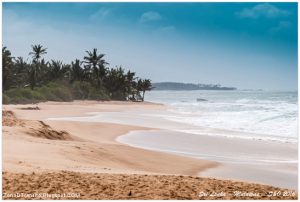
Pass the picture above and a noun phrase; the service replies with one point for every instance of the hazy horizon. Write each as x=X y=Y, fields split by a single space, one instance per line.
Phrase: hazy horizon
x=243 y=45
x=242 y=89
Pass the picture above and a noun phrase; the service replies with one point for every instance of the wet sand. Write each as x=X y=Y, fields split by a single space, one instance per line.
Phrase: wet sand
x=273 y=163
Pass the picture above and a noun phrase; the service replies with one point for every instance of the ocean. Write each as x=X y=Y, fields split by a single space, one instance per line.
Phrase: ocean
x=270 y=115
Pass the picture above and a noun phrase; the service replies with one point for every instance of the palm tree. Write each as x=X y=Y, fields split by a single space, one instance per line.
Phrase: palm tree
x=37 y=52
x=76 y=71
x=32 y=76
x=56 y=70
x=144 y=85
x=42 y=71
x=20 y=72
x=7 y=62
x=115 y=82
x=130 y=84
x=97 y=63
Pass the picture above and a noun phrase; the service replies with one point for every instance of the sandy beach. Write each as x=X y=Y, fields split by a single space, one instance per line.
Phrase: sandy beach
x=84 y=157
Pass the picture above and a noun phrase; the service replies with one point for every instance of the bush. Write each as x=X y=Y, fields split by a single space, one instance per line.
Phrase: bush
x=46 y=92
x=5 y=99
x=118 y=95
x=24 y=96
x=62 y=94
x=38 y=96
x=81 y=90
x=25 y=92
x=97 y=94
x=84 y=90
x=55 y=91
x=13 y=93
x=21 y=100
x=18 y=96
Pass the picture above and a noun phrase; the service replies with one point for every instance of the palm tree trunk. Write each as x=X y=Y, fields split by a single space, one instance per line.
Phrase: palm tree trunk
x=143 y=95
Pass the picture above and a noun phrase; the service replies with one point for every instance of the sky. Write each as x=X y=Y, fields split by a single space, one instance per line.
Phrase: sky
x=243 y=45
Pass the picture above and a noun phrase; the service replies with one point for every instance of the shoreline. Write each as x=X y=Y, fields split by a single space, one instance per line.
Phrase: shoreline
x=275 y=153
x=93 y=152
x=271 y=163
x=113 y=155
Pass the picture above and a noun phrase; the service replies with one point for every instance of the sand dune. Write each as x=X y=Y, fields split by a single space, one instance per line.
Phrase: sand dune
x=9 y=119
x=33 y=128
x=45 y=131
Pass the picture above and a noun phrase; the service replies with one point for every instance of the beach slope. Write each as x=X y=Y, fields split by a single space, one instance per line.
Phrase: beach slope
x=42 y=156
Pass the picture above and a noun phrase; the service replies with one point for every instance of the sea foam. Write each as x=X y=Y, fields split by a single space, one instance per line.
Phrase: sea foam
x=255 y=114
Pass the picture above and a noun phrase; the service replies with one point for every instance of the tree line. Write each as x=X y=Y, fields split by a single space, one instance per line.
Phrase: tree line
x=93 y=72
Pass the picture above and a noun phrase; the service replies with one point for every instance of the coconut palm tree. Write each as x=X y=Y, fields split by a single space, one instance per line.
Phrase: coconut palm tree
x=7 y=62
x=37 y=52
x=56 y=70
x=144 y=85
x=76 y=71
x=20 y=72
x=115 y=83
x=95 y=66
x=96 y=80
x=130 y=84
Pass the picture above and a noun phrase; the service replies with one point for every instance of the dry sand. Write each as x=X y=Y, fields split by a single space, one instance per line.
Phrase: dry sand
x=74 y=185
x=83 y=150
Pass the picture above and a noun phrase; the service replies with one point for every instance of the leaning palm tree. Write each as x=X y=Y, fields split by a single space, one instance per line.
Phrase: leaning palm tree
x=95 y=66
x=144 y=85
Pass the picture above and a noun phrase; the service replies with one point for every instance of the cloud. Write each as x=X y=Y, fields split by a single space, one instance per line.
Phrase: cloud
x=101 y=14
x=13 y=23
x=168 y=29
x=150 y=16
x=281 y=27
x=263 y=10
x=20 y=33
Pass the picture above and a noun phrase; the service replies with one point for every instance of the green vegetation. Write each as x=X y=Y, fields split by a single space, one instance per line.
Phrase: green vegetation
x=90 y=79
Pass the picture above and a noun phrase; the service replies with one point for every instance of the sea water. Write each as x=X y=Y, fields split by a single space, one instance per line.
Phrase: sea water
x=251 y=114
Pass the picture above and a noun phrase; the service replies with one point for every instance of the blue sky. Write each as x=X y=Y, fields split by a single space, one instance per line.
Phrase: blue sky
x=246 y=45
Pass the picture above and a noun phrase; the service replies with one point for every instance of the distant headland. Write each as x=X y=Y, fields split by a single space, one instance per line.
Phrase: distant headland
x=188 y=86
